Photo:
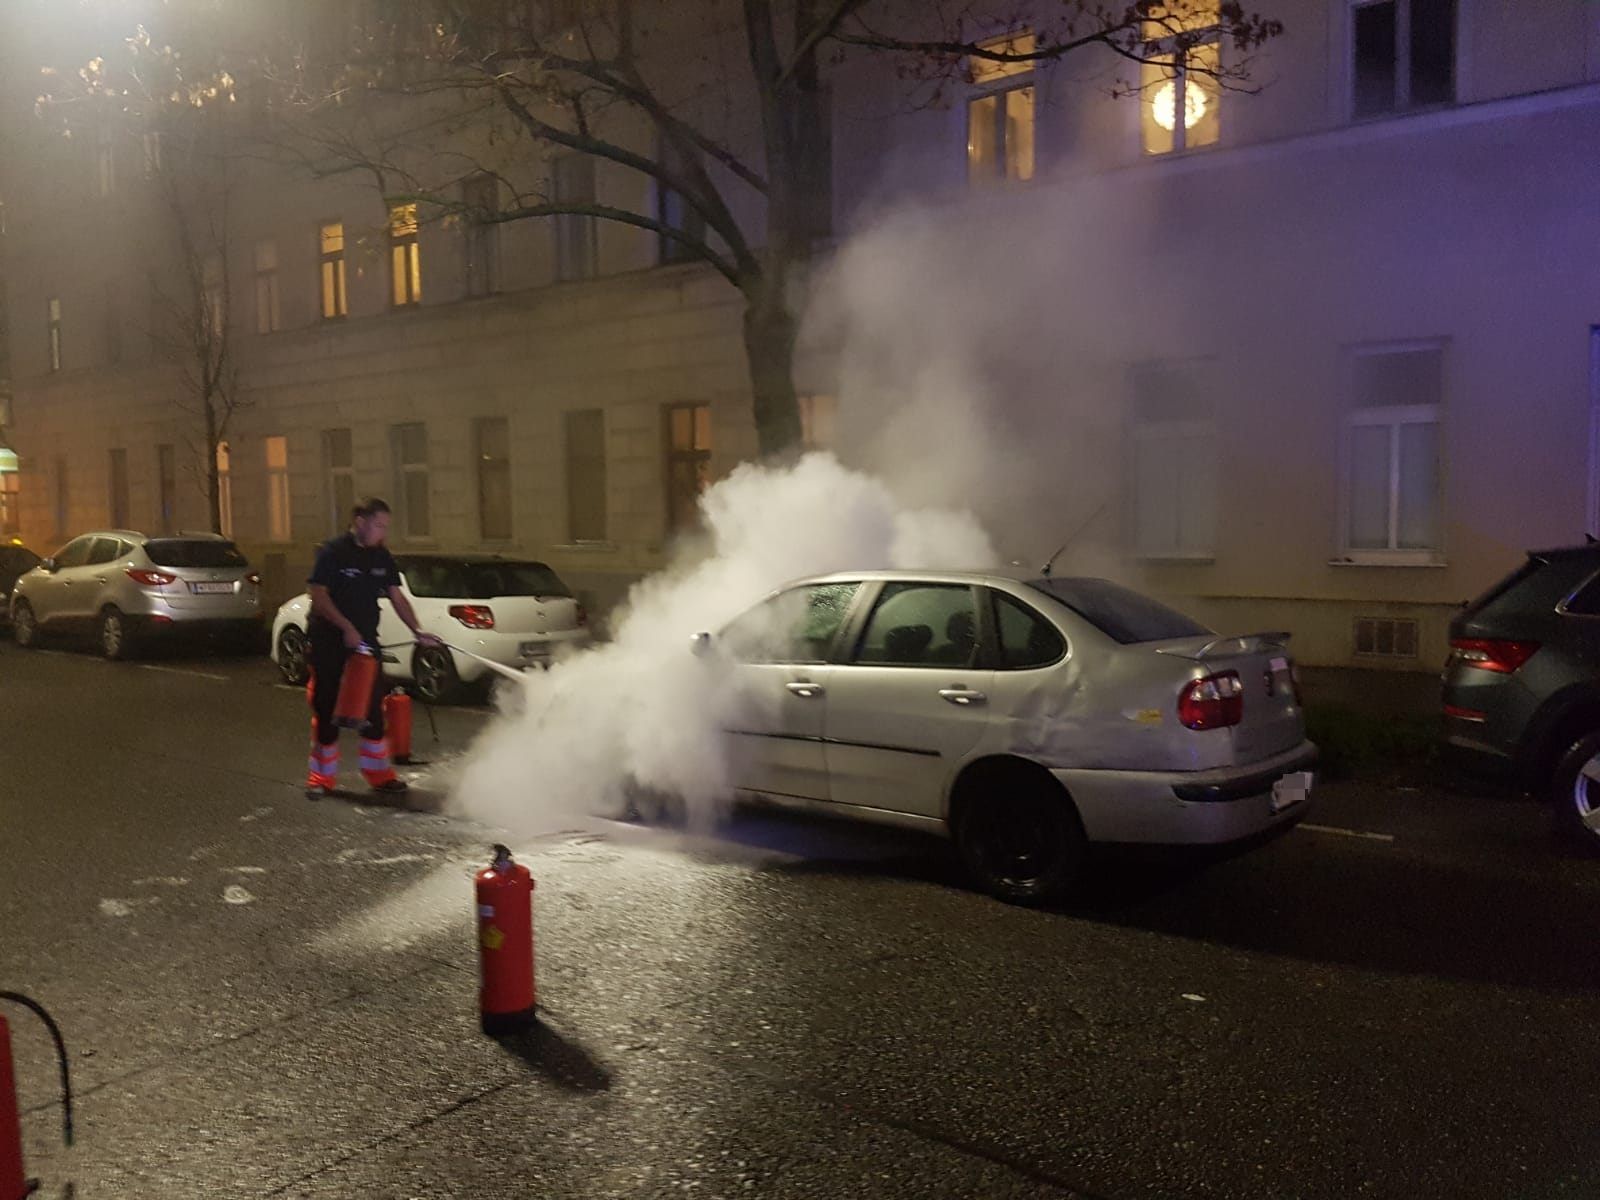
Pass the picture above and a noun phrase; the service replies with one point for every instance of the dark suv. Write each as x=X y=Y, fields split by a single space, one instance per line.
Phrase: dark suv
x=1522 y=687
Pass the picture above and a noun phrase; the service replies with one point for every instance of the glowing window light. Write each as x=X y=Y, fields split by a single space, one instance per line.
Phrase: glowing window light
x=1164 y=105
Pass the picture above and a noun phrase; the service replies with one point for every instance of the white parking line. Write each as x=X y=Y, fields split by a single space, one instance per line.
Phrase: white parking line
x=184 y=671
x=1354 y=833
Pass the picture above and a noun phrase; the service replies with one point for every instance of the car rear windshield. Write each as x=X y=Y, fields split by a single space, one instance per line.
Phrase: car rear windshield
x=446 y=579
x=197 y=552
x=1120 y=613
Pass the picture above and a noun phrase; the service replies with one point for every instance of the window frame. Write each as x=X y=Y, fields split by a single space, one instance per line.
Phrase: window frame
x=53 y=328
x=574 y=228
x=844 y=636
x=403 y=470
x=269 y=311
x=480 y=249
x=673 y=522
x=405 y=256
x=1139 y=430
x=224 y=461
x=569 y=465
x=167 y=487
x=502 y=464
x=277 y=489
x=118 y=490
x=334 y=472
x=983 y=633
x=1395 y=417
x=334 y=260
x=1003 y=79
x=992 y=653
x=1402 y=61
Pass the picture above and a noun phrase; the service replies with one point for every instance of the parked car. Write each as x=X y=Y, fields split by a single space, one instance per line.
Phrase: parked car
x=16 y=560
x=1026 y=718
x=130 y=588
x=1522 y=684
x=512 y=611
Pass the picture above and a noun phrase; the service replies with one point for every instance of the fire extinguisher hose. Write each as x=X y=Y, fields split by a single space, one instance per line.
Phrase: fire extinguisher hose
x=43 y=1014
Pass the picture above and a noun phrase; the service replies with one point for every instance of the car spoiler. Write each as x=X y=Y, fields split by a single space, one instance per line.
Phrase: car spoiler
x=1228 y=647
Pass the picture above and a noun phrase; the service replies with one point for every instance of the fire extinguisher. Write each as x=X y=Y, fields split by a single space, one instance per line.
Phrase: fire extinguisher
x=14 y=1184
x=507 y=997
x=397 y=724
x=356 y=685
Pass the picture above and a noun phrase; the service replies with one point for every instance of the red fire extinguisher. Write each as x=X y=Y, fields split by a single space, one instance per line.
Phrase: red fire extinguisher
x=354 y=705
x=14 y=1184
x=507 y=996
x=397 y=724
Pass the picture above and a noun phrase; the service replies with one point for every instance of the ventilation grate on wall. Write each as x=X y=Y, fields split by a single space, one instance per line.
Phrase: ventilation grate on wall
x=1386 y=637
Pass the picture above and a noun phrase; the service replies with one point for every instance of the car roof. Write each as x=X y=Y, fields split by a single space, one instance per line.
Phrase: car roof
x=987 y=575
x=476 y=556
x=1588 y=550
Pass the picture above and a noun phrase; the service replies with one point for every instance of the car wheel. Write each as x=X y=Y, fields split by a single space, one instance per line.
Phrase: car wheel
x=294 y=662
x=24 y=626
x=1021 y=839
x=433 y=672
x=1575 y=790
x=116 y=639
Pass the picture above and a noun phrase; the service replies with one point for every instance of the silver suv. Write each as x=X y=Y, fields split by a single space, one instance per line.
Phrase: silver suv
x=128 y=587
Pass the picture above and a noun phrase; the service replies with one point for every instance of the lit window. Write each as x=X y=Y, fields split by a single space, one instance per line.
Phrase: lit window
x=688 y=462
x=494 y=478
x=55 y=334
x=334 y=301
x=224 y=490
x=268 y=315
x=1402 y=54
x=1000 y=119
x=572 y=182
x=1174 y=462
x=1392 y=479
x=411 y=469
x=277 y=455
x=10 y=519
x=480 y=197
x=405 y=256
x=819 y=419
x=338 y=460
x=1180 y=95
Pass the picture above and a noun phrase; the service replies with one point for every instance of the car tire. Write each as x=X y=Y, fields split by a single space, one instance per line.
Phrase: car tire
x=24 y=625
x=114 y=636
x=1575 y=793
x=294 y=656
x=433 y=675
x=1020 y=837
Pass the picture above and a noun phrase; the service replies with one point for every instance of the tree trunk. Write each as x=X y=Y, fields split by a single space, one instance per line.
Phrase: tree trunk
x=770 y=330
x=213 y=482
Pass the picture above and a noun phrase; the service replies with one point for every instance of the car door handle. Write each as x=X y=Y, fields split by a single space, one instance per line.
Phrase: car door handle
x=962 y=696
x=802 y=688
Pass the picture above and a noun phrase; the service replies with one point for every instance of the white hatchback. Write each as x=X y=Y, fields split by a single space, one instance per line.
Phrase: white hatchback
x=514 y=612
x=1025 y=717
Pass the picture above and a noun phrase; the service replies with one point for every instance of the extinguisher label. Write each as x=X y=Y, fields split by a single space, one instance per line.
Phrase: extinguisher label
x=486 y=911
x=493 y=939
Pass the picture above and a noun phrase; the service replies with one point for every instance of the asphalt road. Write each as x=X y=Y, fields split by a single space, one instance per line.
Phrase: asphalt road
x=270 y=998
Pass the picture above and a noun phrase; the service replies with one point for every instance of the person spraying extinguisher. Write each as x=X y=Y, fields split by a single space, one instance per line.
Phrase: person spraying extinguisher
x=351 y=574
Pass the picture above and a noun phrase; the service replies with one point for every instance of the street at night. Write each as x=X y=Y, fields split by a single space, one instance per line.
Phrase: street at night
x=264 y=996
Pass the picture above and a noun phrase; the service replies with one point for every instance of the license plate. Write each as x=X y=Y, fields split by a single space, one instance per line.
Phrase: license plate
x=534 y=649
x=211 y=589
x=1290 y=790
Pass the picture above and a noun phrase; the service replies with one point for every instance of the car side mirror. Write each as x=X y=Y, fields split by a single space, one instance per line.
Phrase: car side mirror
x=700 y=644
x=49 y=566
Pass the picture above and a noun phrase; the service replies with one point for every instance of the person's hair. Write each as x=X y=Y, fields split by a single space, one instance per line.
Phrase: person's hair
x=369 y=507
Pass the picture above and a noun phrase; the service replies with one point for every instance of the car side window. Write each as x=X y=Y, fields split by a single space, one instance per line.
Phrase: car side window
x=921 y=625
x=1026 y=639
x=75 y=553
x=796 y=626
x=103 y=551
x=1585 y=602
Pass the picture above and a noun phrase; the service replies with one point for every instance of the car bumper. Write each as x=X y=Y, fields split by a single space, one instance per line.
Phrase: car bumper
x=1191 y=808
x=518 y=651
x=160 y=626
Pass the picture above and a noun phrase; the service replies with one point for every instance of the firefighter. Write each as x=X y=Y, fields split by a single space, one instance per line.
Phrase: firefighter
x=352 y=572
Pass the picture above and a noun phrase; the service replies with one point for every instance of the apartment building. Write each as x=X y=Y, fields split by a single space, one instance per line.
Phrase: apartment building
x=1342 y=369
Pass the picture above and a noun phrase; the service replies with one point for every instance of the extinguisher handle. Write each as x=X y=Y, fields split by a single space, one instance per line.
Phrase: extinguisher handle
x=39 y=1010
x=502 y=857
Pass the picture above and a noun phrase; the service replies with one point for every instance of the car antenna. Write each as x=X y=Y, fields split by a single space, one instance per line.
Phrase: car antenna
x=1044 y=572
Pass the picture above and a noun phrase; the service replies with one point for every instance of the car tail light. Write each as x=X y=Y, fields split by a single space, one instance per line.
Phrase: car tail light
x=1493 y=654
x=253 y=578
x=1213 y=702
x=473 y=616
x=150 y=578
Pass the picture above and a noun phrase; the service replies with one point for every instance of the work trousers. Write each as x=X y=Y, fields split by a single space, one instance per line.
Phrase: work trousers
x=328 y=656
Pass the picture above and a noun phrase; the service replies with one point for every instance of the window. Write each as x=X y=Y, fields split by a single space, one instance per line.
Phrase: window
x=1124 y=615
x=405 y=256
x=338 y=462
x=277 y=456
x=1000 y=117
x=113 y=327
x=106 y=550
x=688 y=462
x=268 y=316
x=119 y=489
x=1174 y=467
x=1402 y=55
x=152 y=154
x=411 y=469
x=480 y=196
x=166 y=488
x=1385 y=637
x=75 y=553
x=1392 y=479
x=10 y=516
x=675 y=212
x=493 y=436
x=105 y=160
x=1026 y=639
x=224 y=490
x=819 y=420
x=334 y=301
x=796 y=626
x=586 y=475
x=572 y=182
x=63 y=497
x=921 y=625
x=1179 y=109
x=214 y=295
x=55 y=334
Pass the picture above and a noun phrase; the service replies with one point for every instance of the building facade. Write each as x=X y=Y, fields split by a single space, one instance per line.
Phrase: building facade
x=1320 y=358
